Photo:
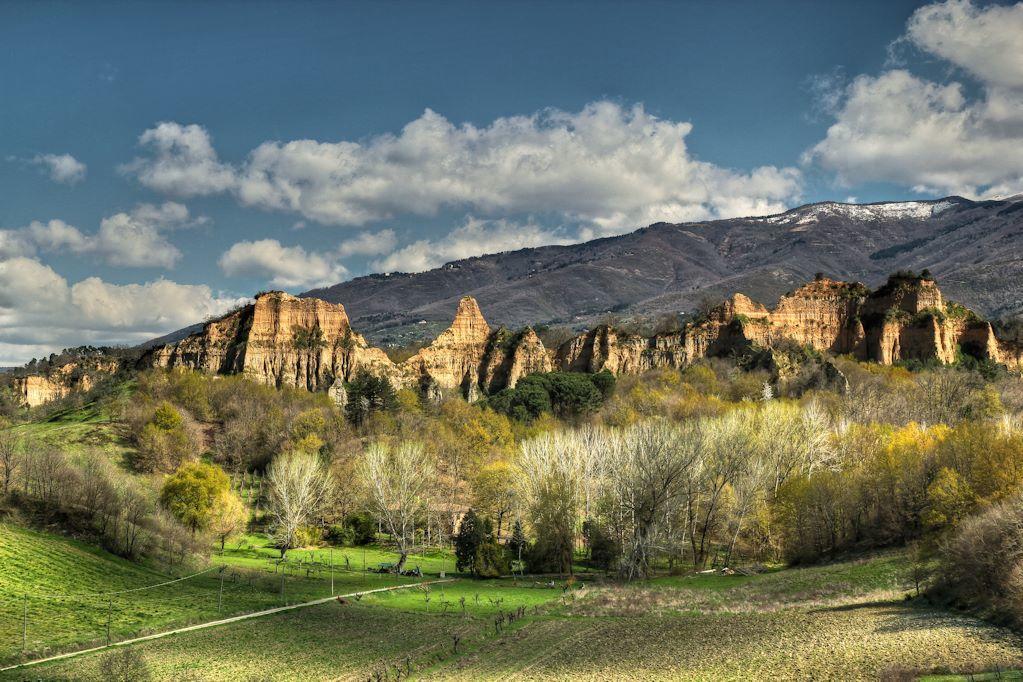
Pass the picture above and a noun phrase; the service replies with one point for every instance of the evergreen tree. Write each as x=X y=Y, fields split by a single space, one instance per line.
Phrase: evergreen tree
x=467 y=541
x=368 y=393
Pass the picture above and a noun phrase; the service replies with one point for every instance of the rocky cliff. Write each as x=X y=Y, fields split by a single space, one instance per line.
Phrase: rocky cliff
x=283 y=340
x=279 y=340
x=60 y=381
x=906 y=319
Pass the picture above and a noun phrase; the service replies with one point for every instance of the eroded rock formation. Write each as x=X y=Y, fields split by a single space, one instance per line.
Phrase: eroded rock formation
x=72 y=377
x=279 y=340
x=907 y=319
x=283 y=340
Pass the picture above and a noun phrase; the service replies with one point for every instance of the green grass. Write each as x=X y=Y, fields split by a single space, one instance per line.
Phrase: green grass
x=40 y=564
x=85 y=430
x=254 y=551
x=830 y=622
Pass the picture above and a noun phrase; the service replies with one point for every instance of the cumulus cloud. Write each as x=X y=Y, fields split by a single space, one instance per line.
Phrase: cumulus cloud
x=983 y=41
x=606 y=164
x=40 y=312
x=933 y=136
x=62 y=168
x=473 y=238
x=368 y=244
x=283 y=266
x=132 y=239
x=182 y=161
x=293 y=266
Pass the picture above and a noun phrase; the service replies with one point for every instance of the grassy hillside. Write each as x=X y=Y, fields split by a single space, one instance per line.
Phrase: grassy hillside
x=77 y=431
x=65 y=584
x=847 y=621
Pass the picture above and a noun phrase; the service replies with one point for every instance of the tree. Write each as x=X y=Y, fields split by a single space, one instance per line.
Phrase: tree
x=299 y=487
x=493 y=490
x=652 y=463
x=556 y=473
x=9 y=459
x=518 y=540
x=399 y=480
x=228 y=517
x=192 y=491
x=368 y=393
x=473 y=531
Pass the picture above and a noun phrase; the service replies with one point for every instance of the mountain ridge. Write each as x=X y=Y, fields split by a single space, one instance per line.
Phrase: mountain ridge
x=973 y=246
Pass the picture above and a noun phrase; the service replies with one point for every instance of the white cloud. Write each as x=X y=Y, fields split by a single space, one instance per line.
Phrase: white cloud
x=62 y=168
x=283 y=266
x=134 y=239
x=368 y=244
x=901 y=128
x=473 y=238
x=606 y=164
x=182 y=161
x=131 y=239
x=56 y=235
x=985 y=42
x=40 y=312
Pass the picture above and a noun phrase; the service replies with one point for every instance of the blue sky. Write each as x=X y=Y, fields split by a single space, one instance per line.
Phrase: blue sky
x=159 y=161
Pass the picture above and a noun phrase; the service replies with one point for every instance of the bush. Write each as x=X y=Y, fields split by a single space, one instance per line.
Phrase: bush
x=982 y=565
x=307 y=536
x=604 y=550
x=551 y=553
x=124 y=665
x=357 y=530
x=490 y=561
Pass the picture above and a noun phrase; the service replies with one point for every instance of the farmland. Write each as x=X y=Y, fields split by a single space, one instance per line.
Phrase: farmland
x=848 y=620
x=65 y=584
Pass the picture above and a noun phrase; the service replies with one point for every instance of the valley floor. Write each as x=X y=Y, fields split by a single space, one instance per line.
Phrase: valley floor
x=843 y=621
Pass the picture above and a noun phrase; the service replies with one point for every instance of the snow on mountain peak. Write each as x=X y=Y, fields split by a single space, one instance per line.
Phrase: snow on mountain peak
x=895 y=210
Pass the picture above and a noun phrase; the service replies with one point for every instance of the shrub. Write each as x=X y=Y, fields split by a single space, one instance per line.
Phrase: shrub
x=552 y=551
x=124 y=665
x=982 y=565
x=490 y=561
x=364 y=527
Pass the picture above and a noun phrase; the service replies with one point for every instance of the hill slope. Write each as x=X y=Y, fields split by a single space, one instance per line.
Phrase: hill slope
x=973 y=247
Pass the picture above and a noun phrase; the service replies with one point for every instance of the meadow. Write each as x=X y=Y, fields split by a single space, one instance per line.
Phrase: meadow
x=66 y=584
x=848 y=620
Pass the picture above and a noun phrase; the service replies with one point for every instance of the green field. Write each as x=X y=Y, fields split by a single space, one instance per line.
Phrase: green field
x=843 y=621
x=39 y=566
x=88 y=429
x=254 y=551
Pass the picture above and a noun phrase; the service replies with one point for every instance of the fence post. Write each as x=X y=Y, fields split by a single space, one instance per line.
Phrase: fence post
x=331 y=571
x=24 y=630
x=284 y=575
x=110 y=612
x=220 y=597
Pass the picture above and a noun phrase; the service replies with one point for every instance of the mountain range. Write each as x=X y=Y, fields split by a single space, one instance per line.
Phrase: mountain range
x=974 y=247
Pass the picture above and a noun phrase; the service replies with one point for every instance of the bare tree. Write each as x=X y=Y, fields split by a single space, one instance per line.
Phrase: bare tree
x=299 y=487
x=648 y=474
x=9 y=459
x=400 y=480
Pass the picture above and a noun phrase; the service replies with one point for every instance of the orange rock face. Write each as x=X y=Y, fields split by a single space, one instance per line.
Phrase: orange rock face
x=279 y=340
x=454 y=358
x=282 y=340
x=907 y=319
x=72 y=377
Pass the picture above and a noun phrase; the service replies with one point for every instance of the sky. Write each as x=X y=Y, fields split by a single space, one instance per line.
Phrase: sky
x=160 y=162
